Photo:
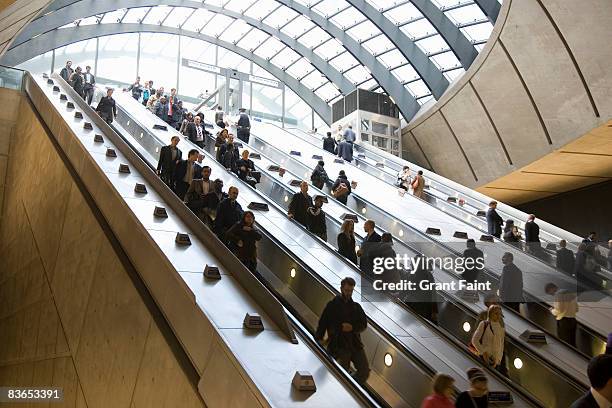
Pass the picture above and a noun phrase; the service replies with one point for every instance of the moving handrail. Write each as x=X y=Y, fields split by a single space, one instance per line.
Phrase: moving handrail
x=398 y=223
x=346 y=265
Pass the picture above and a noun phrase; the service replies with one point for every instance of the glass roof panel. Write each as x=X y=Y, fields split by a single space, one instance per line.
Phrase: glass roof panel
x=403 y=13
x=298 y=27
x=239 y=5
x=270 y=48
x=285 y=57
x=178 y=16
x=432 y=44
x=417 y=88
x=327 y=91
x=329 y=7
x=418 y=28
x=87 y=21
x=217 y=25
x=281 y=17
x=348 y=17
x=465 y=14
x=314 y=80
x=192 y=48
x=113 y=16
x=405 y=73
x=358 y=74
x=135 y=15
x=300 y=68
x=239 y=28
x=449 y=3
x=478 y=32
x=261 y=9
x=198 y=19
x=454 y=74
x=252 y=40
x=156 y=15
x=378 y=44
x=329 y=49
x=446 y=60
x=363 y=31
x=343 y=61
x=314 y=37
x=392 y=59
x=368 y=84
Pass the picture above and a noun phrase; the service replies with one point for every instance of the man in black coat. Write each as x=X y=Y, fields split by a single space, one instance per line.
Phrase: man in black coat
x=161 y=109
x=344 y=320
x=300 y=202
x=494 y=221
x=67 y=71
x=599 y=372
x=185 y=172
x=511 y=283
x=243 y=127
x=532 y=235
x=196 y=132
x=316 y=219
x=107 y=109
x=565 y=258
x=329 y=144
x=369 y=227
x=169 y=157
x=88 y=87
x=471 y=257
x=77 y=81
x=229 y=212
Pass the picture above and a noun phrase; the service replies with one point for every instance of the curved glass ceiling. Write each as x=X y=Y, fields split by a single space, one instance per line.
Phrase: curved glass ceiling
x=290 y=35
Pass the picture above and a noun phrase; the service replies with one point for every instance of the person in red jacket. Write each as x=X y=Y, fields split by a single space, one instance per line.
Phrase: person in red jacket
x=442 y=392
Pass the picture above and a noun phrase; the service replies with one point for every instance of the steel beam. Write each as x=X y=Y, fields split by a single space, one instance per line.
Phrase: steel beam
x=490 y=8
x=64 y=36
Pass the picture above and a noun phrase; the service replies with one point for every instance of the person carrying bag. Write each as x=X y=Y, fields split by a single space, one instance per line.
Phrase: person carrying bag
x=488 y=339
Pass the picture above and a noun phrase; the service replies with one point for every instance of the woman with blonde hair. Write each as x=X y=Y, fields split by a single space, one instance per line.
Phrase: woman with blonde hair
x=346 y=241
x=488 y=339
x=442 y=392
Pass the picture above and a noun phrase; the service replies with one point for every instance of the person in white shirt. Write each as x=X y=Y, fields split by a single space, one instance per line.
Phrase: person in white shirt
x=339 y=134
x=488 y=339
x=403 y=178
x=564 y=309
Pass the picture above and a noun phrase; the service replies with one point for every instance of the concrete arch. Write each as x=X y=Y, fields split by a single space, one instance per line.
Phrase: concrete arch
x=58 y=38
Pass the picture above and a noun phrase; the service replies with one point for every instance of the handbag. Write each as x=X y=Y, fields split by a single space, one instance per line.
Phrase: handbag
x=341 y=191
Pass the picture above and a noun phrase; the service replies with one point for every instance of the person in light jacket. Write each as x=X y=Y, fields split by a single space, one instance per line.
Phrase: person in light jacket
x=403 y=178
x=488 y=339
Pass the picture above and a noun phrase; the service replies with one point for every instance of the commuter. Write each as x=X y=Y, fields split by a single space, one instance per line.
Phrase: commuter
x=369 y=227
x=329 y=144
x=89 y=85
x=198 y=190
x=494 y=221
x=319 y=175
x=418 y=185
x=136 y=89
x=187 y=119
x=222 y=137
x=403 y=178
x=599 y=372
x=346 y=241
x=565 y=258
x=67 y=71
x=173 y=106
x=185 y=172
x=196 y=132
x=488 y=339
x=229 y=212
x=443 y=388
x=229 y=140
x=339 y=134
x=423 y=299
x=343 y=320
x=169 y=157
x=609 y=258
x=345 y=150
x=512 y=235
x=107 y=109
x=471 y=256
x=489 y=300
x=477 y=395
x=532 y=236
x=219 y=117
x=245 y=168
x=299 y=205
x=585 y=265
x=316 y=219
x=349 y=135
x=564 y=309
x=511 y=283
x=178 y=114
x=161 y=109
x=590 y=239
x=76 y=81
x=230 y=156
x=341 y=188
x=154 y=98
x=212 y=200
x=243 y=127
x=244 y=236
x=147 y=91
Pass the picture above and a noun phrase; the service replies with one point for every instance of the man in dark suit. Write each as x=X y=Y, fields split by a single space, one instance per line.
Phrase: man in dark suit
x=67 y=71
x=196 y=132
x=345 y=150
x=243 y=127
x=229 y=212
x=532 y=235
x=198 y=190
x=329 y=144
x=565 y=258
x=169 y=157
x=88 y=87
x=299 y=205
x=511 y=283
x=185 y=173
x=107 y=109
x=599 y=372
x=494 y=220
x=370 y=229
x=471 y=256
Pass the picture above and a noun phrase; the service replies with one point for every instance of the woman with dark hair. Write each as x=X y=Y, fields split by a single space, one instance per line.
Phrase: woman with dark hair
x=244 y=236
x=346 y=241
x=476 y=396
x=220 y=141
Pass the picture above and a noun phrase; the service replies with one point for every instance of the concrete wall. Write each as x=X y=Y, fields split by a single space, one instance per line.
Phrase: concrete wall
x=70 y=315
x=542 y=81
x=14 y=15
x=9 y=100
